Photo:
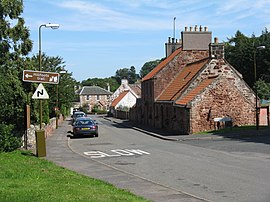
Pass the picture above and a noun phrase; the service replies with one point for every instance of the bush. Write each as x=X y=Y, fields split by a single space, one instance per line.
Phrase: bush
x=8 y=142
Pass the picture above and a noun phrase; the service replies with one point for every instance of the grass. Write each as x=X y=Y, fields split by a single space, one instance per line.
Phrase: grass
x=24 y=178
x=233 y=129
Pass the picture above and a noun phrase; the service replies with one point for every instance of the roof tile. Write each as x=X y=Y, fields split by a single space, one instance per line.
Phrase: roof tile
x=94 y=90
x=119 y=98
x=194 y=92
x=181 y=80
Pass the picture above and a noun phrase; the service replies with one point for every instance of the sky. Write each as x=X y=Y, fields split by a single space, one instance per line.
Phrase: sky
x=98 y=37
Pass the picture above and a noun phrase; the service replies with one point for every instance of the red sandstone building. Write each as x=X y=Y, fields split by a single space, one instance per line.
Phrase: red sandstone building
x=193 y=88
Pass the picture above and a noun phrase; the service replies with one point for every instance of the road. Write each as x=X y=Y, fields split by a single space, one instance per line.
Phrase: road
x=214 y=170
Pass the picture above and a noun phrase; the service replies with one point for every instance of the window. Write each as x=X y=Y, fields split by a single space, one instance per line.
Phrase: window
x=88 y=97
x=97 y=97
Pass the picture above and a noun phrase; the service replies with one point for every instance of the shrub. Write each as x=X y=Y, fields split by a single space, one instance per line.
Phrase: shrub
x=8 y=142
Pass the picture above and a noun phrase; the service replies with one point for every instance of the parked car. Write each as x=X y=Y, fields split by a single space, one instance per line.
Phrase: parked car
x=77 y=114
x=84 y=126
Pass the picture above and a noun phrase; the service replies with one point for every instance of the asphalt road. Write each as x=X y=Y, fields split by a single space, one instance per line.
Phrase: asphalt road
x=210 y=169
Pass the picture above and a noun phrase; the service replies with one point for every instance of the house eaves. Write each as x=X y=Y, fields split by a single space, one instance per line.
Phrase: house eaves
x=151 y=74
x=94 y=90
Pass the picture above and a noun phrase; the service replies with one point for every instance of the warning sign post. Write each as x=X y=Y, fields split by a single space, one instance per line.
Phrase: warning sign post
x=40 y=93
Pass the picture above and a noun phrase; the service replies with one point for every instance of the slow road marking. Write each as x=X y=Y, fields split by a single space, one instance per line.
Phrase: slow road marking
x=115 y=153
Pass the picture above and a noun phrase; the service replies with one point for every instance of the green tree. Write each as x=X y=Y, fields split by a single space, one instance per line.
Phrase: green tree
x=14 y=46
x=240 y=51
x=61 y=95
x=148 y=67
x=126 y=73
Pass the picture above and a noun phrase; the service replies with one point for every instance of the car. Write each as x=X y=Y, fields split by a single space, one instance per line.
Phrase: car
x=85 y=126
x=77 y=114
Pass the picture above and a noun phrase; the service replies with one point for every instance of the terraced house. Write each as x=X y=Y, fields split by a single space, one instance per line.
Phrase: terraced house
x=194 y=89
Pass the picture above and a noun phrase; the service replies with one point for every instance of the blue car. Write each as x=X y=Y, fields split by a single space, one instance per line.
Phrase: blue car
x=85 y=126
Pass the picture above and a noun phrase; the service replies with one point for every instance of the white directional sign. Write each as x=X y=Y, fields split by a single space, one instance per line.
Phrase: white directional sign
x=40 y=93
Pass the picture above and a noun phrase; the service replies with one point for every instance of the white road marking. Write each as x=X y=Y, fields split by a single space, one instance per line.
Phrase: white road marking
x=116 y=153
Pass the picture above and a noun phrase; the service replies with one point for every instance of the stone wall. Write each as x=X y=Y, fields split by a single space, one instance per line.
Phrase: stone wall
x=219 y=100
x=152 y=88
x=49 y=128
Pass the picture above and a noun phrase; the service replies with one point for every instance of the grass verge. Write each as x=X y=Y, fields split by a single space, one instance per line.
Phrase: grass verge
x=23 y=177
x=233 y=129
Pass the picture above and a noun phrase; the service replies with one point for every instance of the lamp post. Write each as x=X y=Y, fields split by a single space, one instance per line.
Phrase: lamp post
x=40 y=134
x=57 y=98
x=53 y=26
x=256 y=90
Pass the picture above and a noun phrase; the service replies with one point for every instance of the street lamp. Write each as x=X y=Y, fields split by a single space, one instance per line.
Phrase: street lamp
x=256 y=90
x=40 y=134
x=57 y=97
x=53 y=26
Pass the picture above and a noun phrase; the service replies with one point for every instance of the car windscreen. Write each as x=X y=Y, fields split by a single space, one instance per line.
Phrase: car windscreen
x=79 y=115
x=84 y=122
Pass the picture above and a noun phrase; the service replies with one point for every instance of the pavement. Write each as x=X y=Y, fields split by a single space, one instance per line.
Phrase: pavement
x=233 y=133
x=59 y=152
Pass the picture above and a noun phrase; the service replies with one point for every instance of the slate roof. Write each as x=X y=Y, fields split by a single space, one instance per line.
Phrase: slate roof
x=119 y=98
x=161 y=65
x=94 y=90
x=136 y=87
x=196 y=91
x=176 y=87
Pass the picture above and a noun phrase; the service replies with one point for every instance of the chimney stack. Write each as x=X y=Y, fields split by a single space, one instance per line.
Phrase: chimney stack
x=172 y=45
x=216 y=50
x=197 y=39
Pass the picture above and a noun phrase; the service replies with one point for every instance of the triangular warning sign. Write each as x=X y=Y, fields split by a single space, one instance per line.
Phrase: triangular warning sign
x=40 y=93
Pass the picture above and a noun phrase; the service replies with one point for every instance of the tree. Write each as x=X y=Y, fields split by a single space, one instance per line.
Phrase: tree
x=14 y=46
x=125 y=73
x=240 y=51
x=263 y=89
x=148 y=67
x=62 y=95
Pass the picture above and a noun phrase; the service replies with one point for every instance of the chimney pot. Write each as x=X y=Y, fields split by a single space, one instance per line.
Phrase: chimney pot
x=190 y=29
x=206 y=29
x=200 y=28
x=215 y=40
x=169 y=40
x=196 y=28
x=186 y=29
